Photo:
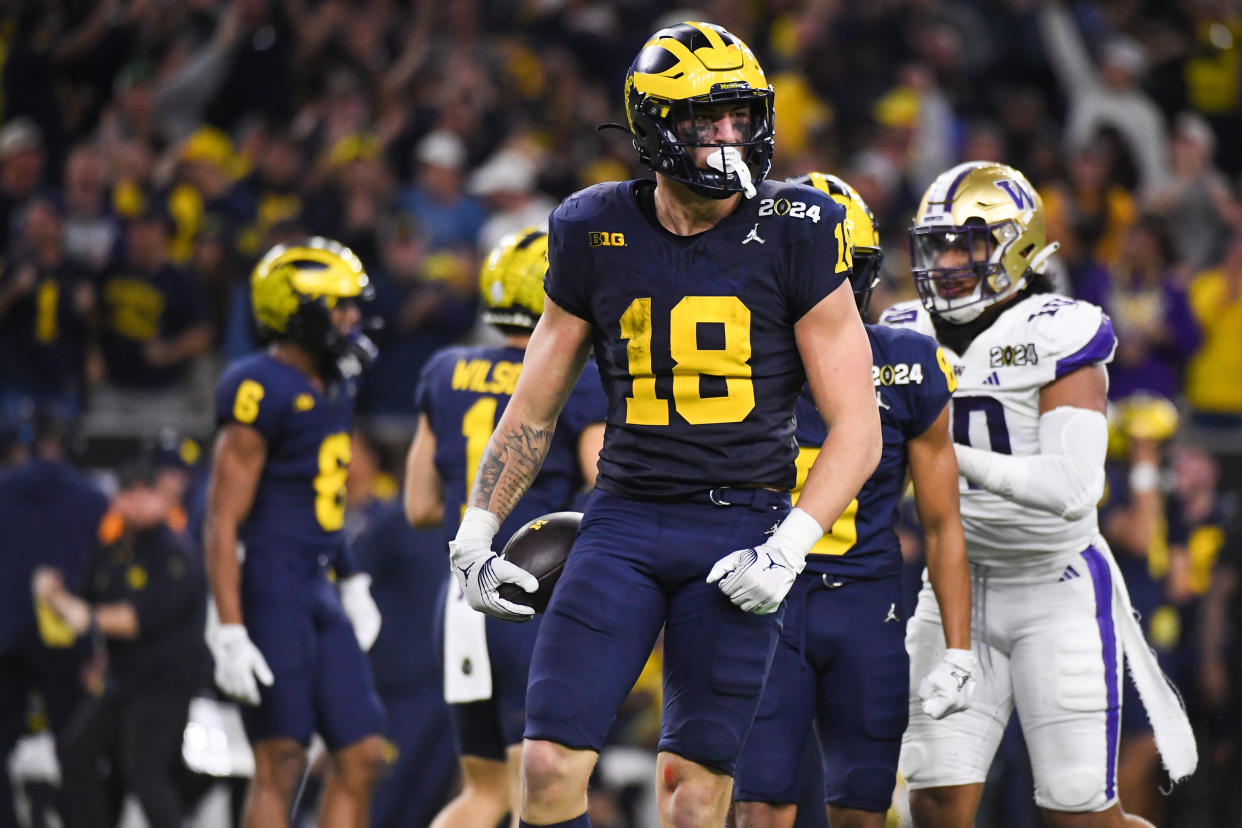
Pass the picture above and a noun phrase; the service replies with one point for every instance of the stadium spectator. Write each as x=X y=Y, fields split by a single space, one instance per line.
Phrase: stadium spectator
x=1088 y=210
x=1196 y=202
x=46 y=309
x=144 y=594
x=92 y=229
x=448 y=216
x=1216 y=297
x=21 y=173
x=153 y=313
x=426 y=303
x=1156 y=330
x=1107 y=96
x=507 y=184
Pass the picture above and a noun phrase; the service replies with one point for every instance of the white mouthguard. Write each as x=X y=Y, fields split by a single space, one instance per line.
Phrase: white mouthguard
x=729 y=160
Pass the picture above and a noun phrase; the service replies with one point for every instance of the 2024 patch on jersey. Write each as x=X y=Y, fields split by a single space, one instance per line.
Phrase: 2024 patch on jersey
x=1033 y=342
x=694 y=336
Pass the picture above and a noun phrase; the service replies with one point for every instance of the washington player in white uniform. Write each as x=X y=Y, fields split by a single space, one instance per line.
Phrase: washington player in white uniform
x=1052 y=620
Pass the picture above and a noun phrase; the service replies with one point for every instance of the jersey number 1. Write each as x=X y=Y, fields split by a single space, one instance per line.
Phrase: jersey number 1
x=690 y=362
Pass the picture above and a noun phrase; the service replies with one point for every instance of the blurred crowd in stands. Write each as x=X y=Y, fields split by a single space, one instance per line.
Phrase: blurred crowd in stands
x=150 y=151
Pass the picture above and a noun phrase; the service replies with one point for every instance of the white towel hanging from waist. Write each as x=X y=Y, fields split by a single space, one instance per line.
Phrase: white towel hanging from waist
x=467 y=668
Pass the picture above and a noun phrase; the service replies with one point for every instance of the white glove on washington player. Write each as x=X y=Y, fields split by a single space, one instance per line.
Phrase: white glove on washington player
x=758 y=579
x=480 y=571
x=950 y=684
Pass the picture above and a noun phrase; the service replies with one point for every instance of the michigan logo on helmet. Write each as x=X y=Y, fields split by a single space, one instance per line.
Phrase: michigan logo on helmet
x=978 y=235
x=295 y=286
x=511 y=280
x=679 y=78
x=863 y=231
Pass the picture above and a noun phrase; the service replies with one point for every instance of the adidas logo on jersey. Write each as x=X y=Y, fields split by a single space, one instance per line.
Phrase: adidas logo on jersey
x=992 y=380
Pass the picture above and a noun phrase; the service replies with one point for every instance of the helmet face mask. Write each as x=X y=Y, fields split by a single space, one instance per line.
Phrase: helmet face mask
x=684 y=79
x=958 y=270
x=978 y=235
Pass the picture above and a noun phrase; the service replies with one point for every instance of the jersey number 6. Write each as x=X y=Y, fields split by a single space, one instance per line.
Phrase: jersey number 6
x=690 y=361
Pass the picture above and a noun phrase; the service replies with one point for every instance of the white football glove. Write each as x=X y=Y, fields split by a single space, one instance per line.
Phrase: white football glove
x=238 y=663
x=950 y=684
x=759 y=578
x=480 y=571
x=363 y=614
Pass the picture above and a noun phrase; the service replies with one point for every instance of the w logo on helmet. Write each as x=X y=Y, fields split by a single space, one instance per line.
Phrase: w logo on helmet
x=1021 y=197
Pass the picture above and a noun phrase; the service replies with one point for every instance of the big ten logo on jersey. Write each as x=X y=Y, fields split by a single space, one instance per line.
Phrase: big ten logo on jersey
x=902 y=373
x=600 y=238
x=785 y=207
x=485 y=377
x=1005 y=356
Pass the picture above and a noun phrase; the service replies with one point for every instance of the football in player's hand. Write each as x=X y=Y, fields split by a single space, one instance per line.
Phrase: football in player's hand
x=540 y=547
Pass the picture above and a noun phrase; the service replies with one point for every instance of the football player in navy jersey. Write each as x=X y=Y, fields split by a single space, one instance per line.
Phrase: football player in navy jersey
x=705 y=297
x=462 y=392
x=841 y=662
x=285 y=640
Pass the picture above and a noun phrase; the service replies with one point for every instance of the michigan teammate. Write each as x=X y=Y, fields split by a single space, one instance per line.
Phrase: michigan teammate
x=277 y=495
x=703 y=307
x=841 y=661
x=1052 y=619
x=460 y=396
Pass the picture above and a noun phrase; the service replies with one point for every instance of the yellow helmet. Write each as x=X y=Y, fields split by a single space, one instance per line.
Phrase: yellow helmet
x=863 y=231
x=294 y=287
x=991 y=216
x=511 y=280
x=693 y=65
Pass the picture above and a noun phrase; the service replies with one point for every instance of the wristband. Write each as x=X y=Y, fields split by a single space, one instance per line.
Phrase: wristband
x=797 y=533
x=478 y=524
x=1144 y=477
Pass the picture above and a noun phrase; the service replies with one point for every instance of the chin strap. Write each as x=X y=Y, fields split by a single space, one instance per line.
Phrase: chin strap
x=1042 y=257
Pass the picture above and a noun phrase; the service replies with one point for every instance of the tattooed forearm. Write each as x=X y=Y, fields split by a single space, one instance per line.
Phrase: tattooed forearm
x=508 y=467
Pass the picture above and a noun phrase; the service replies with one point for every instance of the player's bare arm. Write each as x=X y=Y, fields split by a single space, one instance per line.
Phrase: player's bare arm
x=933 y=470
x=554 y=358
x=235 y=471
x=590 y=442
x=837 y=357
x=1085 y=388
x=424 y=491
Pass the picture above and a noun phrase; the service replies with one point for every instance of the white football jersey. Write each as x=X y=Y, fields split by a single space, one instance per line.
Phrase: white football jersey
x=996 y=408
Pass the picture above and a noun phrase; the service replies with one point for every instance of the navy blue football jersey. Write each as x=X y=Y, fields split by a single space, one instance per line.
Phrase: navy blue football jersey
x=463 y=391
x=694 y=335
x=913 y=383
x=300 y=501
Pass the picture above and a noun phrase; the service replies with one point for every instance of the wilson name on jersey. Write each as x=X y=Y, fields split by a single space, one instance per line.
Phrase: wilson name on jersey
x=1033 y=342
x=913 y=383
x=299 y=505
x=463 y=391
x=695 y=335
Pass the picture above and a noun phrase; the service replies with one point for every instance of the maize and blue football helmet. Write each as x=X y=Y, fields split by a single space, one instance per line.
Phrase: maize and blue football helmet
x=693 y=65
x=863 y=231
x=511 y=280
x=294 y=288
